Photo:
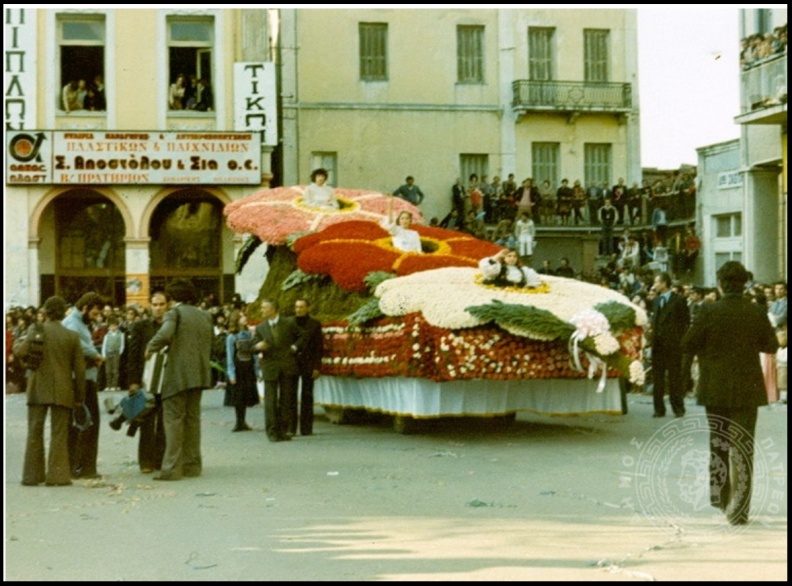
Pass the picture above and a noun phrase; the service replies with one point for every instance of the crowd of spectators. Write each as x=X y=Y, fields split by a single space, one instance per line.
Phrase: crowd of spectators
x=759 y=47
x=113 y=376
x=570 y=203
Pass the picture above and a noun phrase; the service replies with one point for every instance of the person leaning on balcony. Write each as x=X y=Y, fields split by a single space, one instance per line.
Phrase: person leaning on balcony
x=176 y=93
x=69 y=97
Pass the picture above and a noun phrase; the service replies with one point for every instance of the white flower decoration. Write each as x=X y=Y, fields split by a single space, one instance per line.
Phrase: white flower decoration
x=637 y=373
x=442 y=295
x=606 y=344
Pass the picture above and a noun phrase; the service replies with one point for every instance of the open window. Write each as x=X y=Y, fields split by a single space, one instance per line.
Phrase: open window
x=190 y=63
x=81 y=43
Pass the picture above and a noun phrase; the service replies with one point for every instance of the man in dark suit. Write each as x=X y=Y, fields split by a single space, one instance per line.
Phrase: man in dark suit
x=727 y=336
x=57 y=385
x=670 y=321
x=309 y=362
x=276 y=339
x=187 y=331
x=151 y=446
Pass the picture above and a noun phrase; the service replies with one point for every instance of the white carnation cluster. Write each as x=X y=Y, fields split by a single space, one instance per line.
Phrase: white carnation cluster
x=606 y=344
x=637 y=373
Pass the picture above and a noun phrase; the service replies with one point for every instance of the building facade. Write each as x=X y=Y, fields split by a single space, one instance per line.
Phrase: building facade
x=763 y=140
x=375 y=95
x=127 y=133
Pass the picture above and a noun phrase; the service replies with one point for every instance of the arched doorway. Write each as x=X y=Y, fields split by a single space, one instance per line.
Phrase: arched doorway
x=186 y=241
x=89 y=252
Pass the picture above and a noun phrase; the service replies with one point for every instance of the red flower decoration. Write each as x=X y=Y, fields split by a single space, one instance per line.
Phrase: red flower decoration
x=351 y=250
x=411 y=347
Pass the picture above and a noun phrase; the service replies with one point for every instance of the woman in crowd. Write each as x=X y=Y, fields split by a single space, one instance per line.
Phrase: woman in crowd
x=404 y=238
x=241 y=390
x=503 y=234
x=318 y=194
x=505 y=270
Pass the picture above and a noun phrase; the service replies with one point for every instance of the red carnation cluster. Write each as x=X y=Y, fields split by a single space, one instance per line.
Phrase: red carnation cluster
x=351 y=250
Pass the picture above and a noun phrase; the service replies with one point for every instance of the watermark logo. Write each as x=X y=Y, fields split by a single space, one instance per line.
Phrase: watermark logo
x=697 y=469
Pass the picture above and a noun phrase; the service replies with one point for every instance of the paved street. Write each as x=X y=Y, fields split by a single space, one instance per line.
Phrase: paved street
x=594 y=498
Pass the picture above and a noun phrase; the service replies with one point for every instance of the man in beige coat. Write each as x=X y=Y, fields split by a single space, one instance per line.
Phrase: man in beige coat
x=58 y=386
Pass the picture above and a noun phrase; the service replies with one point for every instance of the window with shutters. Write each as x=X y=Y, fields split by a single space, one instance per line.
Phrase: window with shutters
x=597 y=163
x=470 y=54
x=546 y=157
x=541 y=53
x=373 y=51
x=596 y=43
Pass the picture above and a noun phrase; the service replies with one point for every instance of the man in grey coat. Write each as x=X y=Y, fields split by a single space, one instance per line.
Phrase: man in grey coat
x=187 y=332
x=727 y=336
x=57 y=385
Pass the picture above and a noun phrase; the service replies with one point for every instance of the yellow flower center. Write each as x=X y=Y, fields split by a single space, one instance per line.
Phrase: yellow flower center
x=344 y=205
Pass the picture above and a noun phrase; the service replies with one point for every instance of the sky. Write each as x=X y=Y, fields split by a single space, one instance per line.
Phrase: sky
x=688 y=80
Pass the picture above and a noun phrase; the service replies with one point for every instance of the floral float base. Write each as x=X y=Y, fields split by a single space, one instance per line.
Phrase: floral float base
x=410 y=347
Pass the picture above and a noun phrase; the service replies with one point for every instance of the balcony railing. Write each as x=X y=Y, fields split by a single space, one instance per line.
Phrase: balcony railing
x=764 y=84
x=571 y=96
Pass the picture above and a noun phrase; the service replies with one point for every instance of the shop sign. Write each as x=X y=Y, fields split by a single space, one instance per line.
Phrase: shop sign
x=255 y=100
x=108 y=158
x=730 y=179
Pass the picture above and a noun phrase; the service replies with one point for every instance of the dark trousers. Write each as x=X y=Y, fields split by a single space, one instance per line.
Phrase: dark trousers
x=151 y=445
x=57 y=470
x=182 y=420
x=279 y=395
x=668 y=362
x=731 y=460
x=305 y=416
x=84 y=445
x=607 y=240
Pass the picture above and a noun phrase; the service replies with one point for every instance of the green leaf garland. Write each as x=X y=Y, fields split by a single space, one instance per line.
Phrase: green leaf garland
x=621 y=317
x=525 y=317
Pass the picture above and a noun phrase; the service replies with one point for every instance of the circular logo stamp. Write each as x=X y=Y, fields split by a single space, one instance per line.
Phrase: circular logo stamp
x=704 y=468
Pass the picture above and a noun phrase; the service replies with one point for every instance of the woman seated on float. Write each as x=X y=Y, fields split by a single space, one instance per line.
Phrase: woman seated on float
x=319 y=195
x=403 y=237
x=505 y=270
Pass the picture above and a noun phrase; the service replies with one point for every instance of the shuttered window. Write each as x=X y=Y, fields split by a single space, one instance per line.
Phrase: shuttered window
x=596 y=54
x=470 y=54
x=541 y=53
x=373 y=51
x=597 y=163
x=546 y=157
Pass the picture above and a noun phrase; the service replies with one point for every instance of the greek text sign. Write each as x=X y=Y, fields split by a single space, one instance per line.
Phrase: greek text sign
x=19 y=73
x=89 y=157
x=255 y=100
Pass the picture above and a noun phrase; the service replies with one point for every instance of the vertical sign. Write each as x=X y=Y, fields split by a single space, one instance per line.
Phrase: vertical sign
x=255 y=100
x=19 y=68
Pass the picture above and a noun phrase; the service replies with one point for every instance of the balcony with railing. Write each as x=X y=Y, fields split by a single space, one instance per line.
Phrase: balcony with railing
x=571 y=96
x=763 y=91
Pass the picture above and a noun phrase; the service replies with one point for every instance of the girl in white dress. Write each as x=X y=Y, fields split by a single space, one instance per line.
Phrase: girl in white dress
x=504 y=270
x=403 y=237
x=525 y=232
x=319 y=195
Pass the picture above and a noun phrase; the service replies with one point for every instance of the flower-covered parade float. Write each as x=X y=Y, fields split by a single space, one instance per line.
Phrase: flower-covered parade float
x=422 y=335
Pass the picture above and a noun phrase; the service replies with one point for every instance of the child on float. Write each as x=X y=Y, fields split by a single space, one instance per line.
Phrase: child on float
x=404 y=238
x=505 y=270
